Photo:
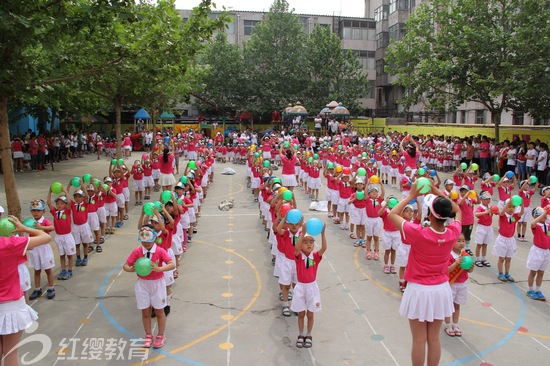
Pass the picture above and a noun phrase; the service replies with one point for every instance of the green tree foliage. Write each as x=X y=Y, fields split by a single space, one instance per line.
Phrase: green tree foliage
x=465 y=50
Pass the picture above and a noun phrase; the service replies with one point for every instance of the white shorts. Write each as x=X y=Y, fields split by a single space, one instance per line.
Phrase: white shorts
x=148 y=181
x=538 y=259
x=126 y=193
x=120 y=200
x=169 y=275
x=427 y=302
x=128 y=147
x=255 y=183
x=527 y=216
x=289 y=180
x=384 y=169
x=331 y=195
x=460 y=292
x=17 y=154
x=93 y=221
x=357 y=216
x=184 y=220
x=139 y=185
x=373 y=226
x=177 y=247
x=266 y=154
x=192 y=155
x=156 y=174
x=505 y=247
x=402 y=255
x=287 y=270
x=111 y=209
x=484 y=234
x=65 y=244
x=24 y=277
x=16 y=316
x=82 y=234
x=102 y=214
x=343 y=205
x=306 y=297
x=391 y=240
x=150 y=293
x=314 y=183
x=394 y=172
x=41 y=257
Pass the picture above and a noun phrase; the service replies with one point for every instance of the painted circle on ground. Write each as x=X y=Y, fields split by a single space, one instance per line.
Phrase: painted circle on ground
x=377 y=337
x=227 y=294
x=226 y=345
x=229 y=262
x=227 y=277
x=226 y=317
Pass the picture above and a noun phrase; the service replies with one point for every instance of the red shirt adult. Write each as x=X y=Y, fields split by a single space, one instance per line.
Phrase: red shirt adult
x=306 y=272
x=410 y=161
x=429 y=253
x=484 y=149
x=17 y=146
x=289 y=165
x=168 y=166
x=33 y=147
x=12 y=249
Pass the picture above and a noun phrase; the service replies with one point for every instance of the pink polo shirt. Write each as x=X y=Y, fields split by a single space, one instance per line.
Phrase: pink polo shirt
x=12 y=249
x=429 y=253
x=158 y=255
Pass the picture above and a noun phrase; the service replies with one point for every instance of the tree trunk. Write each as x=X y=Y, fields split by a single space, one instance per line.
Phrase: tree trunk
x=12 y=197
x=495 y=119
x=118 y=129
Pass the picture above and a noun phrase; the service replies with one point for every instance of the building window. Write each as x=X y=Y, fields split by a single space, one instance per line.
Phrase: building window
x=366 y=58
x=230 y=28
x=382 y=40
x=380 y=67
x=381 y=13
x=480 y=117
x=397 y=31
x=304 y=21
x=358 y=30
x=249 y=26
x=393 y=6
x=371 y=89
x=462 y=117
x=541 y=121
x=518 y=118
x=403 y=4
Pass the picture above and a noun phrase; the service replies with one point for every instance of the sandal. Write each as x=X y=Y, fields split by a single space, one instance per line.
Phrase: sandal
x=90 y=248
x=286 y=311
x=308 y=342
x=457 y=331
x=369 y=255
x=101 y=240
x=159 y=341
x=176 y=274
x=352 y=236
x=376 y=255
x=485 y=263
x=126 y=217
x=148 y=341
x=450 y=331
x=98 y=249
x=300 y=342
x=478 y=264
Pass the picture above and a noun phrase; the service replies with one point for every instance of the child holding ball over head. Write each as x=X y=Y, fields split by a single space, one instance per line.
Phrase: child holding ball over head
x=307 y=297
x=151 y=289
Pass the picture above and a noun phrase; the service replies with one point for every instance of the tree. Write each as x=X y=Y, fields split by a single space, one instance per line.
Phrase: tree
x=43 y=42
x=334 y=74
x=465 y=50
x=276 y=60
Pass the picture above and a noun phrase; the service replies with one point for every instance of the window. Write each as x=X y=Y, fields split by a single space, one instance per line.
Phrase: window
x=230 y=28
x=381 y=13
x=366 y=58
x=249 y=26
x=518 y=118
x=382 y=40
x=358 y=30
x=397 y=31
x=462 y=117
x=371 y=89
x=304 y=21
x=393 y=6
x=480 y=117
x=403 y=4
x=380 y=67
x=541 y=121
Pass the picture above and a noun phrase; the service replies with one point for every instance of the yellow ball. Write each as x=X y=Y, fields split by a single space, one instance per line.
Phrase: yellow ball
x=374 y=179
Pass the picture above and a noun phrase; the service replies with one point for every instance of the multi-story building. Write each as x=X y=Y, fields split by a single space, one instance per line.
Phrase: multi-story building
x=390 y=17
x=357 y=34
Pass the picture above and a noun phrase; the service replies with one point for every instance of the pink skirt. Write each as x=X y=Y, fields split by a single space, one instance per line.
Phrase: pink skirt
x=427 y=302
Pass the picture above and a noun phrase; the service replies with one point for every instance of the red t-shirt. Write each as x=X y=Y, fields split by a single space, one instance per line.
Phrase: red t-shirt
x=12 y=249
x=463 y=276
x=137 y=173
x=17 y=146
x=388 y=225
x=467 y=210
x=410 y=161
x=373 y=206
x=306 y=268
x=507 y=224
x=485 y=220
x=158 y=255
x=526 y=196
x=504 y=193
x=109 y=198
x=80 y=212
x=429 y=253
x=345 y=189
x=287 y=242
x=541 y=236
x=62 y=221
x=147 y=170
x=167 y=168
x=92 y=204
x=358 y=203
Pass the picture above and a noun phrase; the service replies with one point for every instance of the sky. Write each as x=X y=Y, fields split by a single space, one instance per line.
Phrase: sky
x=350 y=8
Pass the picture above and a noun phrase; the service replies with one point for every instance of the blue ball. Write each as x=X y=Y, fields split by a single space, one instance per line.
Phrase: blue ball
x=413 y=201
x=373 y=160
x=509 y=174
x=433 y=173
x=294 y=216
x=314 y=226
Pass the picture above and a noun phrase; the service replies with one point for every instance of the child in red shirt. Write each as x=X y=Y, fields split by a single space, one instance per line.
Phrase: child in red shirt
x=484 y=229
x=505 y=245
x=458 y=278
x=539 y=254
x=63 y=238
x=307 y=297
x=526 y=194
x=41 y=257
x=151 y=290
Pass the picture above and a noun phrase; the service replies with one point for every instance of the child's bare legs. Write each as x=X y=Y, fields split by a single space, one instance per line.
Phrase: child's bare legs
x=102 y=229
x=425 y=333
x=376 y=243
x=360 y=232
x=522 y=227
x=351 y=228
x=347 y=218
x=310 y=320
x=369 y=243
x=456 y=314
x=389 y=257
x=63 y=262
x=71 y=262
x=301 y=318
x=285 y=290
x=8 y=348
x=97 y=235
x=316 y=193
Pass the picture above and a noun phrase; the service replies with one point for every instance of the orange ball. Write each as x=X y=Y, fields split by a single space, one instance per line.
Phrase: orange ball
x=339 y=168
x=374 y=179
x=282 y=189
x=454 y=195
x=472 y=194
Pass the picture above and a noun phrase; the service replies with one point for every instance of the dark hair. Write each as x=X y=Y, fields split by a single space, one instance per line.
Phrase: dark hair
x=288 y=154
x=165 y=155
x=411 y=149
x=444 y=208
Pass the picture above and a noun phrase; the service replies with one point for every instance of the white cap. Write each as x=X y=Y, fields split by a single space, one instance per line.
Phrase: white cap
x=2 y=209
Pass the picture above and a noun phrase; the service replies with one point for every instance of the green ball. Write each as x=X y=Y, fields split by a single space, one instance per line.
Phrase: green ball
x=158 y=205
x=361 y=172
x=97 y=183
x=287 y=195
x=183 y=179
x=120 y=161
x=466 y=262
x=75 y=182
x=267 y=163
x=6 y=227
x=464 y=166
x=192 y=165
x=421 y=171
x=392 y=202
x=149 y=209
x=360 y=195
x=29 y=222
x=57 y=188
x=424 y=185
x=286 y=144
x=315 y=156
x=86 y=178
x=310 y=159
x=166 y=196
x=113 y=162
x=496 y=178
x=143 y=266
x=330 y=165
x=517 y=200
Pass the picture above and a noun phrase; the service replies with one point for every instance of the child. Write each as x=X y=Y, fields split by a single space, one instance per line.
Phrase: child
x=117 y=177
x=457 y=278
x=466 y=203
x=505 y=244
x=357 y=213
x=314 y=181
x=62 y=220
x=93 y=217
x=81 y=230
x=525 y=193
x=504 y=188
x=151 y=289
x=390 y=237
x=41 y=257
x=344 y=193
x=307 y=297
x=539 y=254
x=332 y=190
x=374 y=222
x=287 y=235
x=155 y=163
x=484 y=229
x=139 y=182
x=111 y=209
x=148 y=181
x=402 y=253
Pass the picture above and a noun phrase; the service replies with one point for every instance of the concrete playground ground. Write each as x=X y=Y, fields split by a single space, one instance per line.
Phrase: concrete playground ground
x=225 y=306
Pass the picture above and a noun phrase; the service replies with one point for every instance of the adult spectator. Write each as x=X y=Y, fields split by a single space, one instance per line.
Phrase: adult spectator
x=484 y=153
x=542 y=163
